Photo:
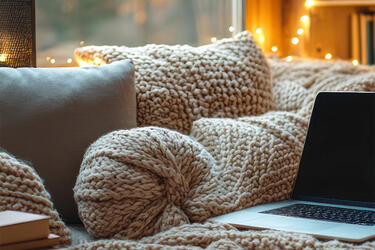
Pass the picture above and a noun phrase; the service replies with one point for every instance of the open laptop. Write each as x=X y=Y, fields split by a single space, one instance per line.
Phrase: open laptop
x=334 y=193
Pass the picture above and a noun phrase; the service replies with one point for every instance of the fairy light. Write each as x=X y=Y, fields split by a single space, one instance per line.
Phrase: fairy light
x=295 y=40
x=70 y=60
x=3 y=57
x=289 y=58
x=231 y=29
x=328 y=56
x=305 y=18
x=258 y=31
x=300 y=31
x=213 y=39
x=82 y=43
x=52 y=61
x=98 y=61
x=309 y=3
x=48 y=58
x=355 y=62
x=274 y=48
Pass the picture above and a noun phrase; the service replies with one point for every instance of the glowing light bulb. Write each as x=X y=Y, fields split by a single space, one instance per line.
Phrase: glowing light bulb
x=70 y=60
x=355 y=62
x=328 y=56
x=309 y=3
x=295 y=40
x=52 y=61
x=213 y=39
x=258 y=31
x=300 y=31
x=274 y=48
x=305 y=18
x=82 y=43
x=231 y=29
x=3 y=57
x=289 y=58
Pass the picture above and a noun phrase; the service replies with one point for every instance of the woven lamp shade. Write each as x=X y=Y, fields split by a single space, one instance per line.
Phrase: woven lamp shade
x=17 y=33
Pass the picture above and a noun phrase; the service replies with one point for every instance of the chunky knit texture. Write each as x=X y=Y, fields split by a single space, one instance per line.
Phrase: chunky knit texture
x=177 y=85
x=21 y=189
x=142 y=181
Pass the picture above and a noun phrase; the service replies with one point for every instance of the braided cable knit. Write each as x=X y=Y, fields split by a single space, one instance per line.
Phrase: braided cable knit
x=21 y=189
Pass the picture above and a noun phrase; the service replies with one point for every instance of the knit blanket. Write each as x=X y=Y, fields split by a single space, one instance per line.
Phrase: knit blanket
x=156 y=188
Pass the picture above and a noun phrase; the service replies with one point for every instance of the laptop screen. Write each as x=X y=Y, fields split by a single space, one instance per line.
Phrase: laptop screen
x=338 y=160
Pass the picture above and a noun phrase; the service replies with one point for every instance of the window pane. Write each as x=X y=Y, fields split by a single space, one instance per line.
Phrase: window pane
x=62 y=25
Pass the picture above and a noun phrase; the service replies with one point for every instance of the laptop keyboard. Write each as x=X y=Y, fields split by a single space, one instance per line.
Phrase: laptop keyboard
x=327 y=213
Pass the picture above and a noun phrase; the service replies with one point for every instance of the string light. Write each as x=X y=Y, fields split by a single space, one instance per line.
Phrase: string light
x=69 y=60
x=309 y=3
x=231 y=29
x=300 y=31
x=305 y=18
x=52 y=61
x=274 y=48
x=295 y=40
x=82 y=43
x=289 y=58
x=258 y=31
x=3 y=57
x=355 y=62
x=213 y=39
x=98 y=61
x=328 y=56
x=48 y=58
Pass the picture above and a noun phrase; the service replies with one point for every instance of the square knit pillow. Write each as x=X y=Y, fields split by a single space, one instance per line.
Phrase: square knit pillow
x=21 y=189
x=176 y=85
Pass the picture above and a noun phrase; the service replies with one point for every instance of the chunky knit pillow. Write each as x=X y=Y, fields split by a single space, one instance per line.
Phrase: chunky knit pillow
x=21 y=189
x=177 y=85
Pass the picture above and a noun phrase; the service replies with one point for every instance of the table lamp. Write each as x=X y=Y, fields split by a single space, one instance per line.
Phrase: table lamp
x=17 y=33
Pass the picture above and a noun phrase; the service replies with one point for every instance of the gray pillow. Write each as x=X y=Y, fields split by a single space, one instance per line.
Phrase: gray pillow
x=49 y=116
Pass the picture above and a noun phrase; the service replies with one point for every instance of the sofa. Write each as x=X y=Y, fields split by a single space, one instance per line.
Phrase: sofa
x=204 y=131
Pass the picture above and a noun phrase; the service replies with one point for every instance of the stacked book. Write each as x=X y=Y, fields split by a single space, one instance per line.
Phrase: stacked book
x=19 y=230
x=362 y=37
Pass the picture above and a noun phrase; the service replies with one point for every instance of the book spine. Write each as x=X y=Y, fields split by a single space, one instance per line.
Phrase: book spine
x=355 y=38
x=362 y=25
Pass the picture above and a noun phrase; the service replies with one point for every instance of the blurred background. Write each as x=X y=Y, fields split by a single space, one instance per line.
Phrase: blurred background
x=63 y=25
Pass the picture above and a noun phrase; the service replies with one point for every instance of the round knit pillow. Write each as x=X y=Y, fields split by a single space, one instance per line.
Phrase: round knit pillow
x=135 y=182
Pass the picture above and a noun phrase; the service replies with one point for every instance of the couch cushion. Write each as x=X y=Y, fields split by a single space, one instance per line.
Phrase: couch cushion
x=49 y=116
x=179 y=84
x=21 y=189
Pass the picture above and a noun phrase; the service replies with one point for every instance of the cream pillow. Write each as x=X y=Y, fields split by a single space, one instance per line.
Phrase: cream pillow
x=21 y=189
x=179 y=84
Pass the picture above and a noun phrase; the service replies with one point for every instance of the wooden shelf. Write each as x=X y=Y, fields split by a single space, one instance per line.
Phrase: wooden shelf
x=344 y=3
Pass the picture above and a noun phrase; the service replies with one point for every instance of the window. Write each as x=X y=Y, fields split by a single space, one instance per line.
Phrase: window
x=63 y=25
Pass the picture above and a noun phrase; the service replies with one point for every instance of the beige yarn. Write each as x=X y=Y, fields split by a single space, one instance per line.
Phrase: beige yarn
x=142 y=181
x=219 y=236
x=177 y=85
x=21 y=189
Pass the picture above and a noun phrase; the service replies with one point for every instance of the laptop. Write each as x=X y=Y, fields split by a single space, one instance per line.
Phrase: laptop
x=334 y=192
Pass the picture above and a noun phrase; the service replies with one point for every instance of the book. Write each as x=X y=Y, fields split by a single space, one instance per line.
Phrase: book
x=370 y=40
x=51 y=240
x=18 y=226
x=363 y=39
x=355 y=46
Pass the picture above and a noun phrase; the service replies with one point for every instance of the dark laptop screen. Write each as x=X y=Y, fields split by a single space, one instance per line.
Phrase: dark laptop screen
x=338 y=160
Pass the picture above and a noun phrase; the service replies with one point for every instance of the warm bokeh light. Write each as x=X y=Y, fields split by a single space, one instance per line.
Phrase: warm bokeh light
x=300 y=31
x=70 y=60
x=309 y=3
x=52 y=61
x=82 y=43
x=328 y=56
x=305 y=18
x=355 y=62
x=213 y=39
x=3 y=57
x=261 y=39
x=98 y=61
x=258 y=31
x=231 y=29
x=274 y=48
x=48 y=58
x=289 y=58
x=295 y=40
